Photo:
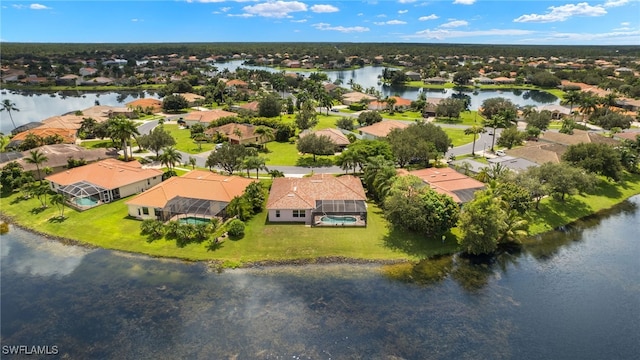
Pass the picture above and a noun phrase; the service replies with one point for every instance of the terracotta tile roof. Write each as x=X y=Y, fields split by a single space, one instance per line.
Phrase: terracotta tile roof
x=68 y=135
x=237 y=83
x=196 y=184
x=383 y=128
x=302 y=193
x=146 y=102
x=101 y=113
x=208 y=116
x=192 y=97
x=579 y=136
x=59 y=153
x=71 y=122
x=357 y=96
x=450 y=182
x=336 y=136
x=540 y=153
x=253 y=106
x=247 y=131
x=108 y=174
x=627 y=135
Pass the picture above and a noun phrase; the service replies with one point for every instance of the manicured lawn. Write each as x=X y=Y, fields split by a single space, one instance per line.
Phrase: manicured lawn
x=108 y=226
x=468 y=118
x=98 y=144
x=554 y=213
x=281 y=153
x=406 y=115
x=184 y=142
x=458 y=136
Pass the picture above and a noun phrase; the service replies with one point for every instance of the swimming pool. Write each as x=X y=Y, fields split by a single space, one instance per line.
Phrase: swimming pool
x=194 y=220
x=338 y=219
x=85 y=201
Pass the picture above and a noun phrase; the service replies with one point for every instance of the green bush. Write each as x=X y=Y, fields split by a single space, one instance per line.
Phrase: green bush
x=235 y=228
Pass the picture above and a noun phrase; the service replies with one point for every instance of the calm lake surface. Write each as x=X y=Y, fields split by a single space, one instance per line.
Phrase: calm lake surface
x=569 y=295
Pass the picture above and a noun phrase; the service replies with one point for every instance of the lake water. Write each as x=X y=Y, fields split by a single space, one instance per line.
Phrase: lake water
x=35 y=106
x=569 y=295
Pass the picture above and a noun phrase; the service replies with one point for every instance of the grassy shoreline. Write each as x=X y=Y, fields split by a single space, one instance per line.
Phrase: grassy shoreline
x=108 y=227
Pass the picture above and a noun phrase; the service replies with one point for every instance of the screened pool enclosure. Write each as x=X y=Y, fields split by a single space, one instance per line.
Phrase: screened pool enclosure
x=85 y=195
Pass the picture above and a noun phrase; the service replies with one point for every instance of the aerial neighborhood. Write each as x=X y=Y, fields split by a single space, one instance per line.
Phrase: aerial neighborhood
x=210 y=157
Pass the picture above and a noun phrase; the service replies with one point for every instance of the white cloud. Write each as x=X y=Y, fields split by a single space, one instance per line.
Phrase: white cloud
x=275 y=9
x=464 y=2
x=403 y=11
x=38 y=7
x=615 y=3
x=324 y=9
x=360 y=14
x=299 y=21
x=225 y=9
x=245 y=15
x=454 y=23
x=382 y=15
x=328 y=27
x=562 y=13
x=135 y=20
x=406 y=1
x=441 y=34
x=391 y=22
x=626 y=23
x=614 y=37
x=428 y=17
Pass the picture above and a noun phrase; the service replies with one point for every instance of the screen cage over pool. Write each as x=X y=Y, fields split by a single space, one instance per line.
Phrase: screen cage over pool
x=182 y=206
x=340 y=207
x=85 y=194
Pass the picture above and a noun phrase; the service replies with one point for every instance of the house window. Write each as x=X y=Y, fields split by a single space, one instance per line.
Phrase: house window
x=298 y=213
x=148 y=181
x=145 y=211
x=277 y=213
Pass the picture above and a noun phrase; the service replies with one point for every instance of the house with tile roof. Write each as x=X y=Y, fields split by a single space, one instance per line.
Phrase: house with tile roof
x=447 y=181
x=400 y=104
x=104 y=181
x=146 y=103
x=319 y=200
x=356 y=97
x=336 y=136
x=198 y=193
x=237 y=133
x=206 y=117
x=68 y=136
x=192 y=99
x=381 y=129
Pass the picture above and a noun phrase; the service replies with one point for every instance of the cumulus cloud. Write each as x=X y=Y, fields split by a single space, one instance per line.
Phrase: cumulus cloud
x=344 y=29
x=245 y=15
x=299 y=21
x=613 y=37
x=562 y=13
x=38 y=7
x=615 y=3
x=275 y=9
x=406 y=1
x=428 y=17
x=324 y=9
x=464 y=2
x=454 y=23
x=225 y=9
x=403 y=11
x=391 y=22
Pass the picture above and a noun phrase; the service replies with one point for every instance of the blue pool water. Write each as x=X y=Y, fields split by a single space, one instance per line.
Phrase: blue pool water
x=194 y=220
x=332 y=219
x=86 y=201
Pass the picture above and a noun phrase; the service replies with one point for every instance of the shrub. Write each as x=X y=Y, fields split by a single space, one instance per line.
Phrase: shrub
x=235 y=228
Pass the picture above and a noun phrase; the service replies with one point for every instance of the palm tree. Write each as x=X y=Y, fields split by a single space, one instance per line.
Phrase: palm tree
x=495 y=122
x=37 y=157
x=572 y=97
x=59 y=200
x=588 y=104
x=123 y=129
x=266 y=134
x=255 y=162
x=8 y=106
x=475 y=130
x=608 y=101
x=170 y=157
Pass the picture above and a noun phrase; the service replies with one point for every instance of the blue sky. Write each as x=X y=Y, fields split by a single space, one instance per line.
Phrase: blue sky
x=603 y=22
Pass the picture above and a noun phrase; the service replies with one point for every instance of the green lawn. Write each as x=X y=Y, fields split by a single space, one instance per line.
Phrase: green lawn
x=109 y=227
x=98 y=144
x=406 y=115
x=184 y=142
x=468 y=118
x=458 y=136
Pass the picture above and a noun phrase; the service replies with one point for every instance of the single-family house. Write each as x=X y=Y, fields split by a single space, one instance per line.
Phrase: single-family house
x=632 y=135
x=237 y=133
x=67 y=136
x=192 y=99
x=87 y=71
x=578 y=136
x=336 y=136
x=381 y=129
x=515 y=164
x=98 y=81
x=199 y=194
x=557 y=111
x=237 y=83
x=155 y=105
x=319 y=200
x=413 y=76
x=68 y=80
x=101 y=182
x=435 y=80
x=206 y=117
x=448 y=181
x=356 y=97
x=400 y=103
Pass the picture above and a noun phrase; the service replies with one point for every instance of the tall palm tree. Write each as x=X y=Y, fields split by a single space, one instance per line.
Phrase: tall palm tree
x=59 y=200
x=37 y=157
x=170 y=157
x=9 y=106
x=475 y=130
x=266 y=134
x=571 y=98
x=608 y=101
x=588 y=104
x=123 y=129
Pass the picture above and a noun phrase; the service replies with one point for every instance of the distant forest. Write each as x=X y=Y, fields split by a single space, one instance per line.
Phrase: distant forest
x=326 y=51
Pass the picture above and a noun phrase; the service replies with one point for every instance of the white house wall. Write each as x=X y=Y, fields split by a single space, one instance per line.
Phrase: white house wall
x=139 y=186
x=287 y=216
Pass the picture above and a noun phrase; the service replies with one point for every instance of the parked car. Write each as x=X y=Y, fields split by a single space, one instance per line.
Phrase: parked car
x=500 y=153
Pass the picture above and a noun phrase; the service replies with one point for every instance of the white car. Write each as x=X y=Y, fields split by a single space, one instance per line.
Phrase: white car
x=500 y=153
